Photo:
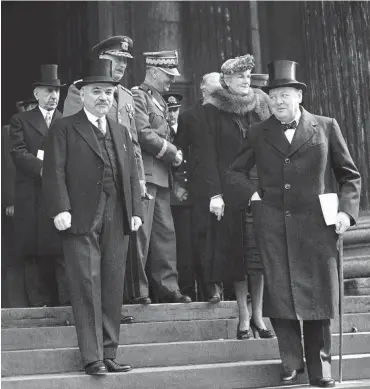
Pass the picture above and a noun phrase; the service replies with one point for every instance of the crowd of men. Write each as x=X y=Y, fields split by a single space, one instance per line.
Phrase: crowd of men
x=109 y=202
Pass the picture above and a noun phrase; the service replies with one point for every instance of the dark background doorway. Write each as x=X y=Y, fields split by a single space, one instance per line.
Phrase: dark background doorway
x=28 y=40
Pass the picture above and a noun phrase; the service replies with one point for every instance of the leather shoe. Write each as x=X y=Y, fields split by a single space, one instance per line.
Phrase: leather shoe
x=115 y=367
x=96 y=368
x=215 y=298
x=176 y=297
x=324 y=382
x=142 y=300
x=127 y=319
x=291 y=377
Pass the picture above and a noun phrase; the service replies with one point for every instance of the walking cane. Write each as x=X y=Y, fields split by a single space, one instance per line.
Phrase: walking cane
x=341 y=294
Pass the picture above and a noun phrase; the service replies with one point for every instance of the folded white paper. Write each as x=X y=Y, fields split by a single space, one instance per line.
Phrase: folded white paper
x=329 y=205
x=40 y=154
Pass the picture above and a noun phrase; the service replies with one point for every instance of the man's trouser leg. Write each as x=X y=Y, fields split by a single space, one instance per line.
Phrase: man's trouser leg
x=317 y=344
x=161 y=265
x=61 y=279
x=136 y=274
x=95 y=270
x=288 y=333
x=184 y=249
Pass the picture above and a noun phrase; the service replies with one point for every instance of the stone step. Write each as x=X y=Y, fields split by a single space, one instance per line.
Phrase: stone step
x=58 y=316
x=156 y=332
x=353 y=384
x=236 y=375
x=62 y=360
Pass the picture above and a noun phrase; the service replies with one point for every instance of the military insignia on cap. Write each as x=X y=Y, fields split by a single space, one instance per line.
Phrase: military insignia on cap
x=124 y=45
x=172 y=100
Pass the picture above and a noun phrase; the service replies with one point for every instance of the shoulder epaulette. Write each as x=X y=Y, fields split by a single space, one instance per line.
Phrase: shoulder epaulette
x=126 y=90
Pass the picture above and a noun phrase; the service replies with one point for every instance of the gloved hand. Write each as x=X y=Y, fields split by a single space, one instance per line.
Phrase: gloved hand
x=178 y=159
x=136 y=223
x=217 y=206
x=63 y=221
x=342 y=223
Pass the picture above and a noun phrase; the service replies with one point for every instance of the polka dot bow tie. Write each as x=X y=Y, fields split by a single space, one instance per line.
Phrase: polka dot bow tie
x=289 y=126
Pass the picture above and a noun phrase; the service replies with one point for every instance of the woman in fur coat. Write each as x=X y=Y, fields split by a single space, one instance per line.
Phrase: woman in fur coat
x=231 y=107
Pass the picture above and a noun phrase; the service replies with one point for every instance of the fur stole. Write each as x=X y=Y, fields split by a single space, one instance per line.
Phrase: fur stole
x=256 y=100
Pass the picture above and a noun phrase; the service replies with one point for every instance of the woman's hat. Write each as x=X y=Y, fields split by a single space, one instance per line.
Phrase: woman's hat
x=283 y=73
x=99 y=71
x=49 y=76
x=238 y=64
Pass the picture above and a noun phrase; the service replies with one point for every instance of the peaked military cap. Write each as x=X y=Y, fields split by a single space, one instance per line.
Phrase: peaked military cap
x=172 y=100
x=118 y=45
x=168 y=61
x=49 y=76
x=283 y=73
x=259 y=80
x=100 y=71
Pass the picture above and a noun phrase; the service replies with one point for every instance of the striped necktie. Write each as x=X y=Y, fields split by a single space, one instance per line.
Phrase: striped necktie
x=48 y=118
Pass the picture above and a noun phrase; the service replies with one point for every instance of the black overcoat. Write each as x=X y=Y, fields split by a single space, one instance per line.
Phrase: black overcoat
x=34 y=231
x=225 y=250
x=297 y=248
x=73 y=172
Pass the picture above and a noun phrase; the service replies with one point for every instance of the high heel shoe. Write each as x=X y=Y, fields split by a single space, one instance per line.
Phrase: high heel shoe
x=264 y=334
x=243 y=334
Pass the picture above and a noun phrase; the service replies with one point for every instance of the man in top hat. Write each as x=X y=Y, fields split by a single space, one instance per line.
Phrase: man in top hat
x=38 y=244
x=95 y=201
x=159 y=155
x=296 y=154
x=12 y=268
x=118 y=49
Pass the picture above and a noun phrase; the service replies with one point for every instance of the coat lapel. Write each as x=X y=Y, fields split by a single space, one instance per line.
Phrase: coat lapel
x=304 y=132
x=275 y=135
x=119 y=141
x=83 y=127
x=37 y=121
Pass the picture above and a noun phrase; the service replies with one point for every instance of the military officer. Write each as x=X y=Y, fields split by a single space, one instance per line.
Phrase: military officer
x=157 y=237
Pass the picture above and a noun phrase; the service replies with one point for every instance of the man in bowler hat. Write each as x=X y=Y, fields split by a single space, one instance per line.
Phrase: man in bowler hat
x=296 y=154
x=95 y=202
x=38 y=244
x=154 y=257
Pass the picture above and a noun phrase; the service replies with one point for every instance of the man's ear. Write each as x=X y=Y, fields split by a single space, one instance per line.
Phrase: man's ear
x=300 y=96
x=82 y=94
x=36 y=93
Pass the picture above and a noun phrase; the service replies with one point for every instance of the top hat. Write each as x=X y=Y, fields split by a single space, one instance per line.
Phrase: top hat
x=118 y=45
x=259 y=80
x=99 y=71
x=49 y=76
x=168 y=61
x=23 y=103
x=283 y=73
x=172 y=100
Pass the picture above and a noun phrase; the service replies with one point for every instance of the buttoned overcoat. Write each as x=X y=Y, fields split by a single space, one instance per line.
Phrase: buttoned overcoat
x=34 y=230
x=297 y=248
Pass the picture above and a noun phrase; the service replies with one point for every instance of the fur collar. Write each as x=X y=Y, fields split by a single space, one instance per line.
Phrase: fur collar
x=256 y=100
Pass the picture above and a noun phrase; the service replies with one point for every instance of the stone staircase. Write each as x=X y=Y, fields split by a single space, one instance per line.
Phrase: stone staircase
x=182 y=346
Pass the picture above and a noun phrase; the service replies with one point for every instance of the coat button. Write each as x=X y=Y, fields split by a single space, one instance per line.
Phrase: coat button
x=186 y=180
x=184 y=171
x=287 y=186
x=98 y=183
x=287 y=160
x=185 y=161
x=99 y=166
x=288 y=213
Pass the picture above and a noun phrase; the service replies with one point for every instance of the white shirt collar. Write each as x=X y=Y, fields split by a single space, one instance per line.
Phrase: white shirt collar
x=93 y=119
x=44 y=111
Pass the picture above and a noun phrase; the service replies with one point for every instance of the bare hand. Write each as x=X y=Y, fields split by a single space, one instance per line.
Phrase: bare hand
x=180 y=193
x=342 y=223
x=142 y=188
x=178 y=158
x=9 y=211
x=63 y=221
x=136 y=223
x=217 y=206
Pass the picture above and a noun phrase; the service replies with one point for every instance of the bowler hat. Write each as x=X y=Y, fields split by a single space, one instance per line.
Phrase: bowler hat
x=283 y=73
x=118 y=45
x=49 y=76
x=172 y=100
x=99 y=71
x=168 y=61
x=259 y=80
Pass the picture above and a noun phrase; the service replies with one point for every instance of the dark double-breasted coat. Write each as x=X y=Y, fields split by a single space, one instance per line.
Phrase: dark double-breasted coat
x=297 y=248
x=74 y=172
x=35 y=231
